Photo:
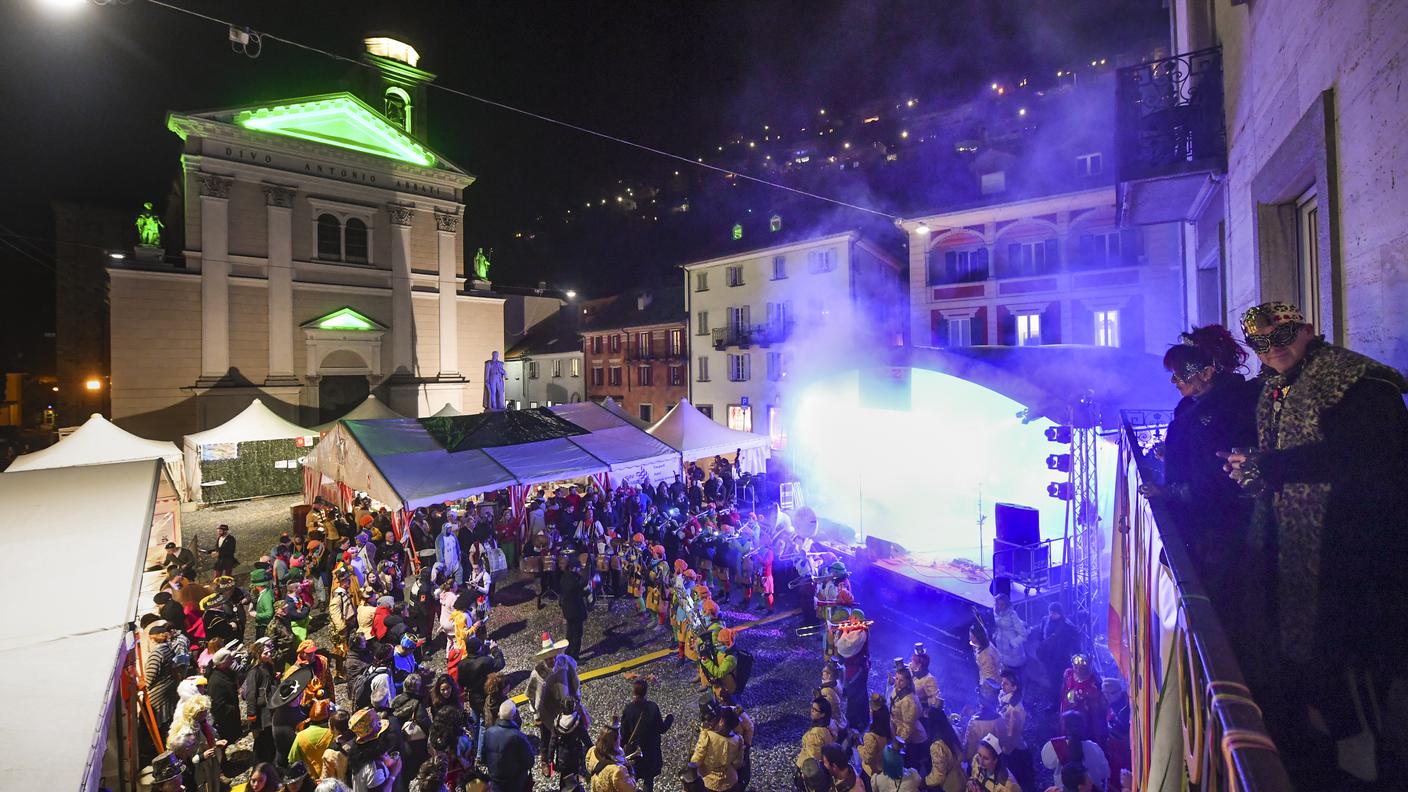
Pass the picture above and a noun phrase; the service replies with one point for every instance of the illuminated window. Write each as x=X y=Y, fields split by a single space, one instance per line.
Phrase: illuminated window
x=614 y=376
x=643 y=376
x=646 y=413
x=775 y=223
x=532 y=405
x=702 y=323
x=398 y=108
x=557 y=369
x=701 y=281
x=735 y=275
x=1107 y=328
x=1029 y=329
x=703 y=369
x=643 y=344
x=740 y=367
x=737 y=232
x=676 y=343
x=960 y=332
x=329 y=238
x=615 y=344
x=596 y=345
x=533 y=370
x=576 y=367
x=676 y=375
x=1308 y=255
x=740 y=417
x=777 y=433
x=779 y=267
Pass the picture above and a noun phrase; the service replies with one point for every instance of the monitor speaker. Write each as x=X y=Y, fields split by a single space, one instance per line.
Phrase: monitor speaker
x=1018 y=525
x=878 y=548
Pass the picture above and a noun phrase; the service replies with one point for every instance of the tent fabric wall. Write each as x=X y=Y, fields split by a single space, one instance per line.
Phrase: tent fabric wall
x=696 y=436
x=260 y=438
x=76 y=637
x=99 y=442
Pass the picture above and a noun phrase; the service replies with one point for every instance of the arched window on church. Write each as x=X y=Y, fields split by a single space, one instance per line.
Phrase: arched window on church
x=398 y=108
x=330 y=238
x=355 y=241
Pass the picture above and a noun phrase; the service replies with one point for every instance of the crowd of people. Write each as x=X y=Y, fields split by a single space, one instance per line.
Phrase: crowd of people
x=1289 y=490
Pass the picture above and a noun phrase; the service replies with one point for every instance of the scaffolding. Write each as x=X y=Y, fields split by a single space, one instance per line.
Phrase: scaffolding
x=1082 y=554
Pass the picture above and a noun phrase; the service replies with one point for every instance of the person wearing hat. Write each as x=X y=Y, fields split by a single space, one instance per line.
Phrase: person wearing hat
x=280 y=631
x=905 y=720
x=989 y=771
x=264 y=598
x=224 y=552
x=313 y=738
x=508 y=756
x=573 y=601
x=297 y=779
x=182 y=558
x=1330 y=478
x=926 y=687
x=224 y=690
x=1072 y=747
x=259 y=686
x=1080 y=692
x=373 y=761
x=830 y=690
x=342 y=618
x=165 y=773
x=987 y=718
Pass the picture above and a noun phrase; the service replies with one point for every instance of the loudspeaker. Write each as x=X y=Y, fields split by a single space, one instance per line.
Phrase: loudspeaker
x=1019 y=561
x=879 y=548
x=1017 y=524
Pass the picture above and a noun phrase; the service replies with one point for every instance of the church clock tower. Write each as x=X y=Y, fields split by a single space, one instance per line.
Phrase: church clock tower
x=397 y=87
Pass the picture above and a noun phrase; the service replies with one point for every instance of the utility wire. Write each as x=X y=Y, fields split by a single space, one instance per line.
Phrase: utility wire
x=7 y=243
x=538 y=116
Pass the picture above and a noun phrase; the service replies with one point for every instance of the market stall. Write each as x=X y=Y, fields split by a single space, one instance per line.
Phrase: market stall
x=253 y=454
x=696 y=436
x=84 y=733
x=447 y=411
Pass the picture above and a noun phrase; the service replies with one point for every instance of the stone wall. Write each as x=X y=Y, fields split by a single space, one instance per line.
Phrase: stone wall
x=156 y=330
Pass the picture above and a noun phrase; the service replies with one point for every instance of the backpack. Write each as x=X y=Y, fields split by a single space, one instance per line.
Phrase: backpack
x=744 y=670
x=359 y=688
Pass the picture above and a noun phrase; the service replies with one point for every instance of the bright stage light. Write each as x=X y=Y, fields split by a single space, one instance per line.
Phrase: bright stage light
x=1059 y=434
x=64 y=6
x=915 y=475
x=1059 y=462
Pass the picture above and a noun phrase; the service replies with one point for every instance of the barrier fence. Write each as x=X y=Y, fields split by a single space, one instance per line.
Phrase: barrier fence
x=1194 y=723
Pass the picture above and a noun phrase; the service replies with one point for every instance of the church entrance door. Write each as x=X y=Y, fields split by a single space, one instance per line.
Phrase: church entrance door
x=338 y=393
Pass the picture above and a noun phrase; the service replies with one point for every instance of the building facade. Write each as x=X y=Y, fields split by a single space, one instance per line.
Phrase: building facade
x=322 y=261
x=1273 y=137
x=636 y=351
x=545 y=366
x=757 y=315
x=1050 y=270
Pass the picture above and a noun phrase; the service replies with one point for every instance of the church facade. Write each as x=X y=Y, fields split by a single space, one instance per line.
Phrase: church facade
x=323 y=261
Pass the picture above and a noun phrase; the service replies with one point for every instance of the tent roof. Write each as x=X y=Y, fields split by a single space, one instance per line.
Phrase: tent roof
x=256 y=422
x=73 y=644
x=407 y=460
x=696 y=435
x=446 y=412
x=616 y=409
x=97 y=442
x=369 y=410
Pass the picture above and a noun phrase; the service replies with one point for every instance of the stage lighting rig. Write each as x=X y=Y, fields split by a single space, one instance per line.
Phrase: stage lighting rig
x=1060 y=490
x=1059 y=434
x=1059 y=462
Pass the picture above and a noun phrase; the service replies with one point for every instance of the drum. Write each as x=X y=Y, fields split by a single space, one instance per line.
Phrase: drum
x=584 y=559
x=616 y=563
x=549 y=562
x=531 y=565
x=603 y=563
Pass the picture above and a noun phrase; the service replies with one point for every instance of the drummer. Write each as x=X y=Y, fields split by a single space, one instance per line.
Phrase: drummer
x=543 y=552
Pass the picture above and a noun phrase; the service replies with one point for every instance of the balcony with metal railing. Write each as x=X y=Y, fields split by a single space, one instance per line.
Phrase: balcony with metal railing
x=746 y=336
x=1171 y=643
x=1170 y=135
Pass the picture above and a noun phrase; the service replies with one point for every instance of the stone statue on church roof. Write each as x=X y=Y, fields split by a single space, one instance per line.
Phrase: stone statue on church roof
x=149 y=226
x=481 y=265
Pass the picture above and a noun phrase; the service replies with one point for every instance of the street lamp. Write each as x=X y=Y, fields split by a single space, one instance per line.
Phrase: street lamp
x=93 y=384
x=570 y=294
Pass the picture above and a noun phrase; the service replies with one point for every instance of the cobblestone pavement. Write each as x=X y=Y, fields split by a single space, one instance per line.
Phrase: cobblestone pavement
x=786 y=672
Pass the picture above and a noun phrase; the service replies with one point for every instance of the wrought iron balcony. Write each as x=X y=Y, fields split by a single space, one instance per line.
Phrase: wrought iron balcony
x=745 y=336
x=1169 y=117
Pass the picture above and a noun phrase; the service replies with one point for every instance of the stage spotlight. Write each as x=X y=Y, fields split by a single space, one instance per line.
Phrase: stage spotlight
x=1061 y=462
x=1061 y=490
x=1059 y=434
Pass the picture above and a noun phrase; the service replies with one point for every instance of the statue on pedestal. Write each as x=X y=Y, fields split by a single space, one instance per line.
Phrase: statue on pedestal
x=481 y=265
x=149 y=226
x=494 y=373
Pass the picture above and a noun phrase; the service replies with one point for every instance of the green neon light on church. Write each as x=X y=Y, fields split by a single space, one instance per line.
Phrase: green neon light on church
x=341 y=122
x=346 y=319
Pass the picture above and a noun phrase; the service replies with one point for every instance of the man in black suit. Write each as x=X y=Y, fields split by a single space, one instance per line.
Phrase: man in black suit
x=573 y=599
x=224 y=552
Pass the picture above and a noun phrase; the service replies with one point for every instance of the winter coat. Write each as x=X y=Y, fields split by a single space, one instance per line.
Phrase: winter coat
x=642 y=727
x=508 y=757
x=719 y=758
x=224 y=693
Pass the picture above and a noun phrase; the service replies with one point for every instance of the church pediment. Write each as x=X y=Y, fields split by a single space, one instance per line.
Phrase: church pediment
x=345 y=319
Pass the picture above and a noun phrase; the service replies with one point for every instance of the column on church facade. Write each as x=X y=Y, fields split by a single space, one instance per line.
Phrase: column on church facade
x=215 y=275
x=402 y=319
x=279 y=202
x=446 y=224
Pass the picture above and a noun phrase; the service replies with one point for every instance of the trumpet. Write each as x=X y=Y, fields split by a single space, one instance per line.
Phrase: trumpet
x=804 y=580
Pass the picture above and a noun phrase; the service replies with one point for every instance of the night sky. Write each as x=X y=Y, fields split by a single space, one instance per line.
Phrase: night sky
x=87 y=91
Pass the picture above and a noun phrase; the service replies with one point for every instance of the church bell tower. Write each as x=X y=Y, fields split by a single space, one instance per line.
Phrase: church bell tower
x=397 y=87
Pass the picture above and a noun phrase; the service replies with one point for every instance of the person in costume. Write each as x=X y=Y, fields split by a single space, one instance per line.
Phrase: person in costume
x=1080 y=692
x=1330 y=481
x=945 y=759
x=990 y=772
x=877 y=736
x=905 y=720
x=819 y=734
x=926 y=687
x=853 y=651
x=989 y=664
x=829 y=690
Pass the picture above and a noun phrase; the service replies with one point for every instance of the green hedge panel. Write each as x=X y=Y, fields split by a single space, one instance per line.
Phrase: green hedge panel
x=253 y=474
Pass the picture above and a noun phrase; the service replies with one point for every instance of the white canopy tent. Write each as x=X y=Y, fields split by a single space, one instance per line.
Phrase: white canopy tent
x=616 y=409
x=370 y=409
x=99 y=442
x=696 y=436
x=446 y=411
x=402 y=464
x=256 y=423
x=63 y=662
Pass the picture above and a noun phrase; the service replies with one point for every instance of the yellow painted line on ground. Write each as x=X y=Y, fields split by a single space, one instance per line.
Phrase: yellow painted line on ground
x=660 y=654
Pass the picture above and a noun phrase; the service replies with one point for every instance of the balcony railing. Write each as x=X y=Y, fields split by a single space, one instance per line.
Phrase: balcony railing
x=1162 y=603
x=1169 y=117
x=663 y=352
x=745 y=336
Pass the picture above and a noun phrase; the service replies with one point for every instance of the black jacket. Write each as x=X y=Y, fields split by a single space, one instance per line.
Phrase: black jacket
x=641 y=728
x=475 y=671
x=508 y=757
x=224 y=703
x=225 y=551
x=573 y=596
